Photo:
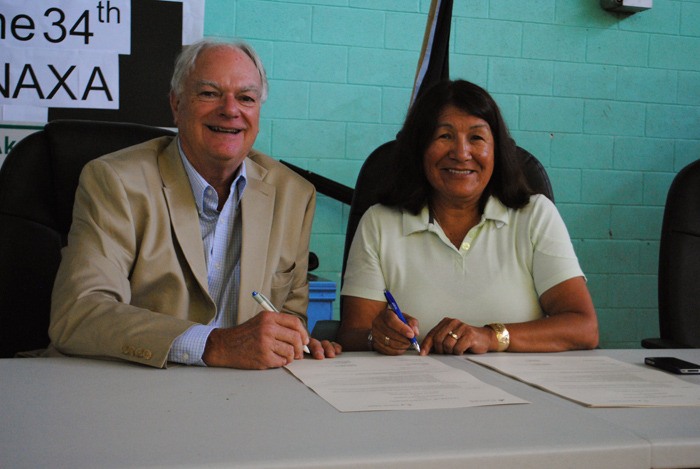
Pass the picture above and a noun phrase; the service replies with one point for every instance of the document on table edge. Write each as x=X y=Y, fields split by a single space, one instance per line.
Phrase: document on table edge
x=407 y=382
x=595 y=381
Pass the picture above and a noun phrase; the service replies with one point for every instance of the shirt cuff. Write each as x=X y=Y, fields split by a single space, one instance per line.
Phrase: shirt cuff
x=188 y=347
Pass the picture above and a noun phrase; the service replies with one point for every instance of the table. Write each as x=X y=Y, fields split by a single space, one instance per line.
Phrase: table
x=674 y=433
x=73 y=412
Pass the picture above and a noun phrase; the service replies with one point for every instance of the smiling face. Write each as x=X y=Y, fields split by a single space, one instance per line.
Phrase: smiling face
x=459 y=160
x=218 y=111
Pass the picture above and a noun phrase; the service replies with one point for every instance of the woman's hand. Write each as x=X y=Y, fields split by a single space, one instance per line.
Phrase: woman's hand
x=390 y=335
x=570 y=323
x=361 y=317
x=452 y=336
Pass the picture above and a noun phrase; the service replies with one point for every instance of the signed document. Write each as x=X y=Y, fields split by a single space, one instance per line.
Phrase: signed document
x=368 y=382
x=596 y=381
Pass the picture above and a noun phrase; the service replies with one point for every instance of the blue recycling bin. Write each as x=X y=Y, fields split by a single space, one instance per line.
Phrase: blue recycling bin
x=321 y=298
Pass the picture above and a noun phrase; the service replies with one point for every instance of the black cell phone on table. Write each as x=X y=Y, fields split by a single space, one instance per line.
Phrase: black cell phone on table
x=674 y=365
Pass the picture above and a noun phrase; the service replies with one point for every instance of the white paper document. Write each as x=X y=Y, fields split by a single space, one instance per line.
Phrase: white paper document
x=596 y=381
x=375 y=382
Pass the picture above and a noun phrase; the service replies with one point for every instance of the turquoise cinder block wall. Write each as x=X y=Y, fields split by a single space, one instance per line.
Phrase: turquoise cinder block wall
x=609 y=103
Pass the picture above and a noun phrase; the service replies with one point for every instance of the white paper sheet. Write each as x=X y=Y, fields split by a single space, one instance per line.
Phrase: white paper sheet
x=596 y=381
x=374 y=382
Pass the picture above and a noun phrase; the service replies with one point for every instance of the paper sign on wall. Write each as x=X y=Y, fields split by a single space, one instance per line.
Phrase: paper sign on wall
x=63 y=53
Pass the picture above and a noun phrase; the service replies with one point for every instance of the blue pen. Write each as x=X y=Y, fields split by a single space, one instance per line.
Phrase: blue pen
x=395 y=308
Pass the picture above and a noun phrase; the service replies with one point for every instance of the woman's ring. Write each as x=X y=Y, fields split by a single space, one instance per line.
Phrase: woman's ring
x=386 y=340
x=453 y=335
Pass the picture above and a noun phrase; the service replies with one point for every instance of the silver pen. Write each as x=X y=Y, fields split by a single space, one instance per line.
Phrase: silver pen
x=268 y=306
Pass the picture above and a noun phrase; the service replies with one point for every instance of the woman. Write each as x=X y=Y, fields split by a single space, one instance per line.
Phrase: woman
x=464 y=245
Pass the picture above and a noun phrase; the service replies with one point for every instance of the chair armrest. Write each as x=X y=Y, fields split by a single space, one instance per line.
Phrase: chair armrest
x=661 y=344
x=325 y=329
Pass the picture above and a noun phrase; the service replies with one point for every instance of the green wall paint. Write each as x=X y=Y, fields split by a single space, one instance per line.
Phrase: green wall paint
x=609 y=103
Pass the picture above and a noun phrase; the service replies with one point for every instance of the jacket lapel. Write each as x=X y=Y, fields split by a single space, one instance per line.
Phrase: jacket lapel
x=183 y=211
x=257 y=207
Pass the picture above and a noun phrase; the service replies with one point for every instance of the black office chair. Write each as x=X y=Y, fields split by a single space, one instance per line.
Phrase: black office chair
x=369 y=183
x=37 y=189
x=679 y=264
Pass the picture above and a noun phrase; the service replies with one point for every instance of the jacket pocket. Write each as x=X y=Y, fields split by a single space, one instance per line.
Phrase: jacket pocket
x=281 y=285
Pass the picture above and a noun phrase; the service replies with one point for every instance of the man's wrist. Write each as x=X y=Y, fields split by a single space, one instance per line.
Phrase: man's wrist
x=189 y=347
x=209 y=352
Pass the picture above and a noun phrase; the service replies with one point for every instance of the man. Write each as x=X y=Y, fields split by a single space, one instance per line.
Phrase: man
x=170 y=237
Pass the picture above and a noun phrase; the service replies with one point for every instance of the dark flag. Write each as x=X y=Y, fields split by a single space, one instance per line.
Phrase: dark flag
x=434 y=63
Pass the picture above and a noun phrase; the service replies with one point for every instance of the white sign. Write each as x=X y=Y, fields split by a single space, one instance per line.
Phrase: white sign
x=74 y=79
x=63 y=53
x=67 y=24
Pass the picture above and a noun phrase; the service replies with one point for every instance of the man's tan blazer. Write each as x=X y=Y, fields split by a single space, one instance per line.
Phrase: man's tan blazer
x=133 y=275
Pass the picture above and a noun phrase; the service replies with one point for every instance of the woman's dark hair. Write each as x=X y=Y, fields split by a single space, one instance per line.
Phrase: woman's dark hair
x=409 y=188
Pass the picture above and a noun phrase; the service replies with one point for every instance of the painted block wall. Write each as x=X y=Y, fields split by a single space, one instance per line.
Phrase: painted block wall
x=609 y=103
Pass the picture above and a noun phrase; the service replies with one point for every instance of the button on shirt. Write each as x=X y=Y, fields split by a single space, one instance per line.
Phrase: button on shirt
x=221 y=237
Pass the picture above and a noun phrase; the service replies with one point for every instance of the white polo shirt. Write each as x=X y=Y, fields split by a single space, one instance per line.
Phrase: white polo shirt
x=497 y=275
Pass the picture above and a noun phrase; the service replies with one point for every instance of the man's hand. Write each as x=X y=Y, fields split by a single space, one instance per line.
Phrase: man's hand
x=268 y=340
x=324 y=349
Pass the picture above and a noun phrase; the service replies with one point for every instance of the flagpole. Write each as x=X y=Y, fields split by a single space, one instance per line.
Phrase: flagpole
x=424 y=58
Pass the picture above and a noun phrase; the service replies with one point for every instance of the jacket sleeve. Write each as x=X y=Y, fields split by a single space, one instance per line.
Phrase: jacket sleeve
x=91 y=312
